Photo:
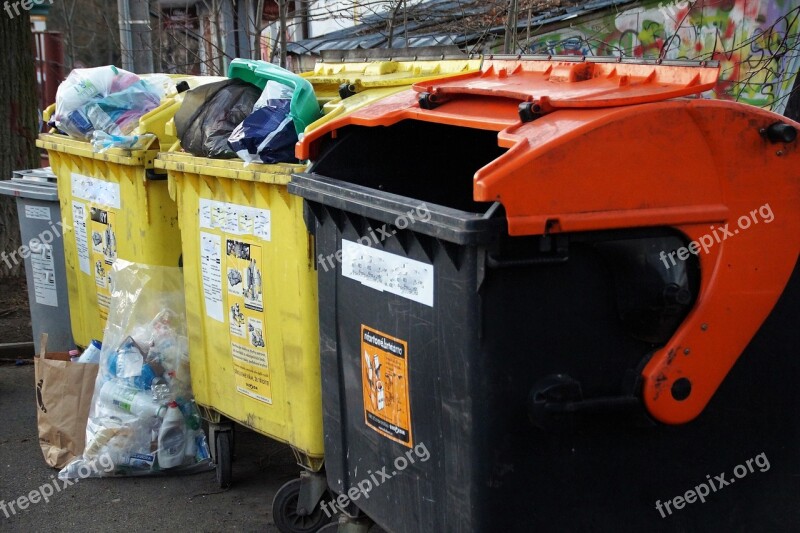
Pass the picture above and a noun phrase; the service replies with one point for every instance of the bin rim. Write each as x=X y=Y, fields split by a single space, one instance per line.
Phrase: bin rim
x=364 y=75
x=445 y=223
x=36 y=191
x=553 y=83
x=67 y=145
x=234 y=169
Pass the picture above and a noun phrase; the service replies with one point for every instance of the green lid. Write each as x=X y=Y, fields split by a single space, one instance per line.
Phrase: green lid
x=304 y=107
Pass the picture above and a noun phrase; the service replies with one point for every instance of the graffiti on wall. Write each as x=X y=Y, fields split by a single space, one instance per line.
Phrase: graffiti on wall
x=755 y=41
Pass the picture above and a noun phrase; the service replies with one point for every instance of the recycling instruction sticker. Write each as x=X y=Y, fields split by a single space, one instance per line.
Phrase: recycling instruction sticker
x=243 y=263
x=384 y=375
x=387 y=272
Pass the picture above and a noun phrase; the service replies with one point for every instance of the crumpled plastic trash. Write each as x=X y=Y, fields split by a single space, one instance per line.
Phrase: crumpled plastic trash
x=268 y=134
x=143 y=419
x=102 y=141
x=105 y=99
x=209 y=114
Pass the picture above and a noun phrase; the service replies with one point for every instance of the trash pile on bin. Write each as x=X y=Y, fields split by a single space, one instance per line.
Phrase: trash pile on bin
x=232 y=118
x=143 y=418
x=104 y=105
x=221 y=120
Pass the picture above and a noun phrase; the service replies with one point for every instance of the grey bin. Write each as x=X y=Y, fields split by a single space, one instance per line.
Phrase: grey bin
x=40 y=221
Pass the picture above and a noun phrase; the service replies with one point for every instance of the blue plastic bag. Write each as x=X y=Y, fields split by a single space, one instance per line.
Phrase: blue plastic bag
x=268 y=134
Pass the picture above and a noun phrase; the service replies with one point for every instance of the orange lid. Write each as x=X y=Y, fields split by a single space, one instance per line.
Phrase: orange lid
x=510 y=91
x=578 y=82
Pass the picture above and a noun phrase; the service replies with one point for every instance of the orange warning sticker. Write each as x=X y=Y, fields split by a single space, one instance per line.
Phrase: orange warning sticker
x=384 y=377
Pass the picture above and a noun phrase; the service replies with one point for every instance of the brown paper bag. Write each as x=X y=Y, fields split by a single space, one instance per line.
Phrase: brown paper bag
x=63 y=395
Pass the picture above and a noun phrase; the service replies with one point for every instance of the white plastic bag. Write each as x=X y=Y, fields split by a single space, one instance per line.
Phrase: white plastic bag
x=105 y=99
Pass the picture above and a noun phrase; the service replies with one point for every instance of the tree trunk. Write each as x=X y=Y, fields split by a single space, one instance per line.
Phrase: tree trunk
x=393 y=23
x=18 y=121
x=283 y=15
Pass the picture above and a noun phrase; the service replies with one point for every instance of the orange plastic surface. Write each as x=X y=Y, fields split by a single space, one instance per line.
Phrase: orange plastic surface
x=695 y=165
x=562 y=84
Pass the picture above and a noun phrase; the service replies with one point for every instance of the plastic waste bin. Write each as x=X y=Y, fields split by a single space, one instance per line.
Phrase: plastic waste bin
x=251 y=299
x=113 y=205
x=530 y=326
x=43 y=252
x=344 y=86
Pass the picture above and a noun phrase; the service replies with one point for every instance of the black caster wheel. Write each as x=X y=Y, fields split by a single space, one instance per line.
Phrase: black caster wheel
x=286 y=514
x=223 y=459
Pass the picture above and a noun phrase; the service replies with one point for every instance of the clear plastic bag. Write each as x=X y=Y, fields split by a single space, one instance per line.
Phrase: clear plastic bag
x=143 y=418
x=119 y=112
x=106 y=99
x=102 y=141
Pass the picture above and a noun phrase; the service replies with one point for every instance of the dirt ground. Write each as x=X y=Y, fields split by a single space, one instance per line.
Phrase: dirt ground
x=15 y=318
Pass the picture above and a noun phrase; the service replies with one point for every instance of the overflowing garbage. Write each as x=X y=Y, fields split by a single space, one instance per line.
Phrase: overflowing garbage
x=104 y=105
x=143 y=417
x=232 y=118
x=210 y=113
x=268 y=135
x=217 y=119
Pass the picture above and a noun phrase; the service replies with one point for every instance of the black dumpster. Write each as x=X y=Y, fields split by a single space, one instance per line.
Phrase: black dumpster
x=475 y=379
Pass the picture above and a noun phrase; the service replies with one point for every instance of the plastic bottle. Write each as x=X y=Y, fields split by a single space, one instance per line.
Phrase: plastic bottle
x=160 y=389
x=172 y=438
x=192 y=418
x=92 y=353
x=128 y=399
x=190 y=451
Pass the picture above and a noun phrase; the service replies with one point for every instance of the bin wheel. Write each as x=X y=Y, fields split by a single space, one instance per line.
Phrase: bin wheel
x=285 y=512
x=223 y=459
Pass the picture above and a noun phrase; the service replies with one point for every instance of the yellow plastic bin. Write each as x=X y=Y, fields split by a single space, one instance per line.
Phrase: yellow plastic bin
x=251 y=303
x=251 y=299
x=113 y=206
x=342 y=87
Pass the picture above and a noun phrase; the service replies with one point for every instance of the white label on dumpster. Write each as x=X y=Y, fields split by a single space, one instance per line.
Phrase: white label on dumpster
x=44 y=273
x=235 y=219
x=388 y=272
x=211 y=266
x=79 y=213
x=97 y=191
x=261 y=224
x=37 y=212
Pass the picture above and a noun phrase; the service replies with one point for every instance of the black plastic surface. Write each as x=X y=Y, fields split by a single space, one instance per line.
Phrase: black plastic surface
x=508 y=313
